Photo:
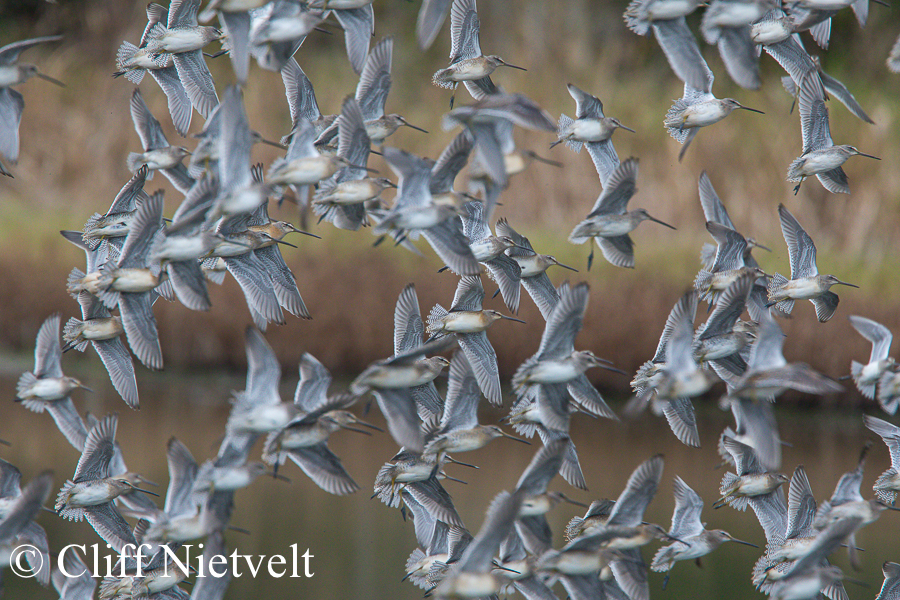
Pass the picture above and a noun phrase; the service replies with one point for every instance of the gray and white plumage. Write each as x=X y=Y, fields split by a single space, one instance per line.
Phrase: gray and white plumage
x=17 y=527
x=806 y=281
x=502 y=269
x=888 y=483
x=866 y=376
x=153 y=138
x=47 y=388
x=112 y=351
x=93 y=470
x=673 y=35
x=609 y=223
x=415 y=211
x=538 y=286
x=821 y=156
x=409 y=334
x=11 y=101
x=358 y=25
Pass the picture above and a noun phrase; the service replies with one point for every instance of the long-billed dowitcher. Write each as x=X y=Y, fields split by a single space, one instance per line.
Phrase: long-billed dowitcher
x=11 y=102
x=888 y=483
x=467 y=63
x=609 y=223
x=593 y=129
x=47 y=388
x=806 y=283
x=866 y=376
x=91 y=491
x=698 y=108
x=820 y=156
x=184 y=39
x=468 y=321
x=696 y=540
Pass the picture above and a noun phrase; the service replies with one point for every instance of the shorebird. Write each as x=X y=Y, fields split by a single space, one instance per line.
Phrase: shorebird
x=134 y=61
x=278 y=29
x=593 y=129
x=11 y=102
x=532 y=268
x=371 y=94
x=698 y=108
x=609 y=223
x=471 y=576
x=414 y=212
x=667 y=18
x=489 y=250
x=696 y=540
x=184 y=39
x=866 y=376
x=769 y=375
x=820 y=157
x=19 y=534
x=888 y=483
x=459 y=429
x=305 y=439
x=751 y=481
x=346 y=170
x=714 y=210
x=46 y=388
x=468 y=321
x=490 y=122
x=728 y=266
x=890 y=589
x=727 y=24
x=158 y=153
x=557 y=361
x=98 y=327
x=91 y=491
x=115 y=224
x=805 y=283
x=129 y=282
x=236 y=21
x=467 y=64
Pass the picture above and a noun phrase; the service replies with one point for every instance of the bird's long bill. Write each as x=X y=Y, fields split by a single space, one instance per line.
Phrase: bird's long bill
x=751 y=109
x=369 y=425
x=50 y=79
x=455 y=479
x=146 y=481
x=271 y=143
x=744 y=543
x=655 y=220
x=559 y=264
x=460 y=463
x=506 y=64
x=627 y=128
x=512 y=319
x=137 y=489
x=848 y=284
x=295 y=230
x=761 y=247
x=613 y=369
x=349 y=428
x=539 y=158
x=414 y=127
x=573 y=501
x=86 y=388
x=512 y=437
x=285 y=243
x=867 y=155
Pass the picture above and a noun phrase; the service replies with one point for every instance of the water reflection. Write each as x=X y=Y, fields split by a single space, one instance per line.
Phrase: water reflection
x=359 y=547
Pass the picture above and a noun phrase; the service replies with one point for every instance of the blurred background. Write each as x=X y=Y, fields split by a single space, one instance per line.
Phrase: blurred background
x=74 y=141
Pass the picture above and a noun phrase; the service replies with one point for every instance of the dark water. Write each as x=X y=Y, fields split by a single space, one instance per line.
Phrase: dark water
x=359 y=547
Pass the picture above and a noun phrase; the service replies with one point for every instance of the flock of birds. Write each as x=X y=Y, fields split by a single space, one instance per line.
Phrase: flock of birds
x=135 y=255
